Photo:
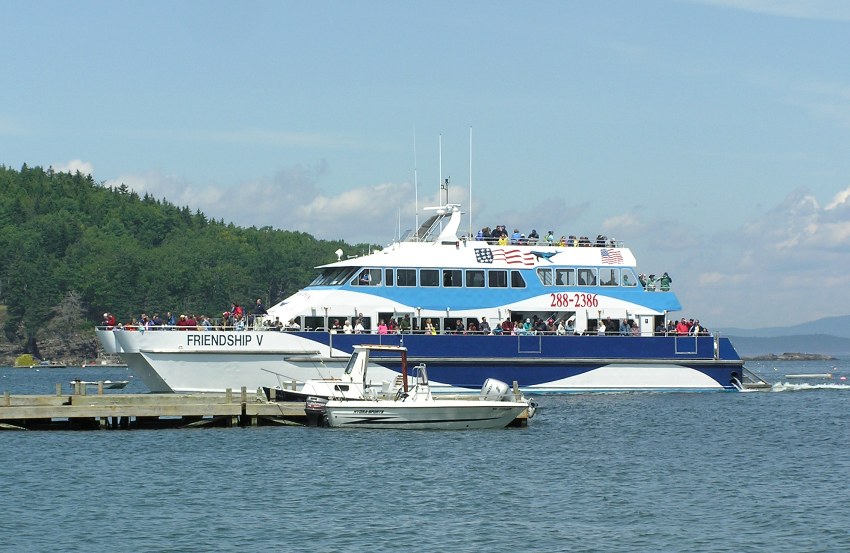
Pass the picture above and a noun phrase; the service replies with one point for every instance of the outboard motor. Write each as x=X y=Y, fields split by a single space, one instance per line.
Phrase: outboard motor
x=493 y=390
x=314 y=407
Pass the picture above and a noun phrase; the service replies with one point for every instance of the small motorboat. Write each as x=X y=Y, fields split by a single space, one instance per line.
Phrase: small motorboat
x=412 y=406
x=107 y=384
x=48 y=365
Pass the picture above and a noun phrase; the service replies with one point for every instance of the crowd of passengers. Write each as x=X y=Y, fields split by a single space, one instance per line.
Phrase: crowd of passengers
x=236 y=319
x=499 y=236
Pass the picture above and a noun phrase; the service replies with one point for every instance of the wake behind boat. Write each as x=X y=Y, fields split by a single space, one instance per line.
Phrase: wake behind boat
x=553 y=316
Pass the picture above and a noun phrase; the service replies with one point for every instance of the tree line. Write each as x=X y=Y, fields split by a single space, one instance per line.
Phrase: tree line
x=66 y=237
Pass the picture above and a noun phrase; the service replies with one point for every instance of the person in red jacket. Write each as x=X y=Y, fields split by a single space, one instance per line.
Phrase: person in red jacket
x=109 y=321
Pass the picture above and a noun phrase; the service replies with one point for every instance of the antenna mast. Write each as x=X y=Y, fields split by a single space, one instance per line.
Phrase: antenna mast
x=415 y=186
x=440 y=161
x=469 y=234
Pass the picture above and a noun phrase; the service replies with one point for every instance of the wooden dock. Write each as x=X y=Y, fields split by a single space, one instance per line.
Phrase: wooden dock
x=82 y=411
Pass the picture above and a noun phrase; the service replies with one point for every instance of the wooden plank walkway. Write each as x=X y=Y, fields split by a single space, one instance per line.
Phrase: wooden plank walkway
x=124 y=411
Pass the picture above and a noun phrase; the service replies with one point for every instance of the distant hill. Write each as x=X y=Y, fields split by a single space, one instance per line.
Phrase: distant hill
x=832 y=326
x=748 y=346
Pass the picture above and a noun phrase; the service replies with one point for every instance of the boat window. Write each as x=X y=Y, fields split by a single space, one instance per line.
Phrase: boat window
x=608 y=276
x=565 y=277
x=475 y=278
x=388 y=277
x=406 y=277
x=429 y=277
x=352 y=362
x=628 y=278
x=497 y=278
x=333 y=276
x=341 y=277
x=516 y=279
x=368 y=277
x=545 y=276
x=452 y=278
x=453 y=325
x=587 y=277
x=313 y=323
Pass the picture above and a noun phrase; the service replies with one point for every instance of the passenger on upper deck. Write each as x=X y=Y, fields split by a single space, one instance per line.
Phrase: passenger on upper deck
x=533 y=237
x=485 y=326
x=664 y=282
x=503 y=240
x=382 y=327
x=496 y=234
x=515 y=237
x=347 y=328
x=429 y=327
x=109 y=321
x=507 y=326
x=550 y=238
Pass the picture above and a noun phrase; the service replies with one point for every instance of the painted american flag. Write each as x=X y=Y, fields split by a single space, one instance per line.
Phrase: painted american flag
x=511 y=257
x=611 y=257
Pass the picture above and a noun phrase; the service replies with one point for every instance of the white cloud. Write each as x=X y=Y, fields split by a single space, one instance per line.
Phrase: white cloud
x=789 y=265
x=292 y=200
x=84 y=167
x=833 y=10
x=839 y=201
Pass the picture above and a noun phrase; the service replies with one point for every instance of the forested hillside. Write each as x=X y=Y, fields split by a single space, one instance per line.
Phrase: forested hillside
x=71 y=248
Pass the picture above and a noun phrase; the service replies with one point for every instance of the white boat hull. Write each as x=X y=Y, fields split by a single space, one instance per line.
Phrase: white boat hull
x=439 y=414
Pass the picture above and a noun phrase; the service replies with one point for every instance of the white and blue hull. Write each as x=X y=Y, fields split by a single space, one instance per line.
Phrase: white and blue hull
x=173 y=361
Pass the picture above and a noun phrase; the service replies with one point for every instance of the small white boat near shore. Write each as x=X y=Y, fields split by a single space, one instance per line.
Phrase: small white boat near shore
x=412 y=406
x=107 y=384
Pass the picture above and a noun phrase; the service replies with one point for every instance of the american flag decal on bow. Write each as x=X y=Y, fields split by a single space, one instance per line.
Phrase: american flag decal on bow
x=611 y=257
x=511 y=257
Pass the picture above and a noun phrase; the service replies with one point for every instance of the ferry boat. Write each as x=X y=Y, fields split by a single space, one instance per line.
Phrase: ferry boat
x=439 y=287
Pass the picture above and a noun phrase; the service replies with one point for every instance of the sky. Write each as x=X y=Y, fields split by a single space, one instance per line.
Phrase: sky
x=711 y=136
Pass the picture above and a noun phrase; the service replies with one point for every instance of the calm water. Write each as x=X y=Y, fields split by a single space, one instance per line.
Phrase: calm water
x=738 y=472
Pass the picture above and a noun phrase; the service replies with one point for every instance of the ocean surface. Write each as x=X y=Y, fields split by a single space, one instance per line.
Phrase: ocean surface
x=738 y=472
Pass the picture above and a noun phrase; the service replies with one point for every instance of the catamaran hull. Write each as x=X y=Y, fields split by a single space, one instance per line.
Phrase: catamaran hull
x=194 y=361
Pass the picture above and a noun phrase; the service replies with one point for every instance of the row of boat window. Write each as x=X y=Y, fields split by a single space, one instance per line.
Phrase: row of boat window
x=476 y=278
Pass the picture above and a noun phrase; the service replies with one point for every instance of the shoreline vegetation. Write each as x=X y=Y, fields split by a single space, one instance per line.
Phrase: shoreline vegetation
x=790 y=356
